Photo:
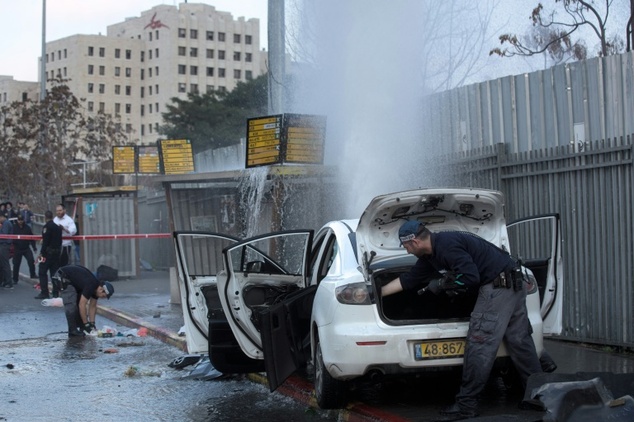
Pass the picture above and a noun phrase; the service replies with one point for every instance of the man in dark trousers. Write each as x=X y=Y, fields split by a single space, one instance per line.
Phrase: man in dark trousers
x=49 y=255
x=499 y=313
x=22 y=248
x=80 y=292
x=6 y=228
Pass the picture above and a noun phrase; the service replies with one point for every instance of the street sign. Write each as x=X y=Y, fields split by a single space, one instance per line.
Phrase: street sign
x=285 y=138
x=124 y=160
x=149 y=159
x=264 y=136
x=177 y=156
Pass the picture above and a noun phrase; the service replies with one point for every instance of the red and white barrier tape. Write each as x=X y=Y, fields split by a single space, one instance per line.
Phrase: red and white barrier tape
x=91 y=236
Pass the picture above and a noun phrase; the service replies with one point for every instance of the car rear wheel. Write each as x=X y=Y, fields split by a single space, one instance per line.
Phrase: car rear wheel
x=330 y=393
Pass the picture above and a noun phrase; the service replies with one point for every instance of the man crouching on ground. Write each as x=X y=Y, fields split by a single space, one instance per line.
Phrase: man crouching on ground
x=80 y=291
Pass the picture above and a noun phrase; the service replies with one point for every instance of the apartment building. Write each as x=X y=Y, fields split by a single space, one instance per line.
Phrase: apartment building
x=12 y=90
x=135 y=70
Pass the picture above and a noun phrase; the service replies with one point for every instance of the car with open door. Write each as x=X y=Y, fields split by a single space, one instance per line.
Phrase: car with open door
x=291 y=299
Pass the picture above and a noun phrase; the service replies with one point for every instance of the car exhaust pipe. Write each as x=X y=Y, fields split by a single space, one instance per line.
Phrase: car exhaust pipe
x=375 y=375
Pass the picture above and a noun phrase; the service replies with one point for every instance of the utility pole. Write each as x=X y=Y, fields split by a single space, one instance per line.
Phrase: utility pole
x=277 y=68
x=43 y=58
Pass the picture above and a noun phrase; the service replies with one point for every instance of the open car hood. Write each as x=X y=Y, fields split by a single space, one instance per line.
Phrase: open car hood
x=479 y=211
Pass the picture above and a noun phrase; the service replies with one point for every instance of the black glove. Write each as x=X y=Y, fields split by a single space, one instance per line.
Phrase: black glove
x=434 y=286
x=88 y=327
x=447 y=284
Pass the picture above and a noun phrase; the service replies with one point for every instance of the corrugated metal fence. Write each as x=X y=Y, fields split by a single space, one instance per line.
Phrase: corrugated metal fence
x=593 y=193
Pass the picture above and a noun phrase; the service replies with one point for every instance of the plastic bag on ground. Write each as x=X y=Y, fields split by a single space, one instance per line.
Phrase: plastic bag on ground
x=56 y=301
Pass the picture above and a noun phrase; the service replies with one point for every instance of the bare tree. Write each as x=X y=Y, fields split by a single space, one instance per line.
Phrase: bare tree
x=39 y=141
x=553 y=32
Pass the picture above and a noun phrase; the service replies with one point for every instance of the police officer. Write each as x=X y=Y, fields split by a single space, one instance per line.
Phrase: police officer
x=499 y=313
x=80 y=292
x=49 y=255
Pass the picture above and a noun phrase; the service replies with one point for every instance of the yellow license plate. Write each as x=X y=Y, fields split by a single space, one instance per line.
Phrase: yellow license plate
x=438 y=349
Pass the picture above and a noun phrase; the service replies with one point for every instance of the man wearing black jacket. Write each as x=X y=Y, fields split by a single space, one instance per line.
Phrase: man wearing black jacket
x=21 y=248
x=49 y=255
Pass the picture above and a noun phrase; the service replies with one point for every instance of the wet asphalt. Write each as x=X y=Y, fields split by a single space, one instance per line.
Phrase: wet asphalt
x=151 y=302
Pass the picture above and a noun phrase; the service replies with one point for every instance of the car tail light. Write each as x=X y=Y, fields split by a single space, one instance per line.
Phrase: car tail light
x=353 y=294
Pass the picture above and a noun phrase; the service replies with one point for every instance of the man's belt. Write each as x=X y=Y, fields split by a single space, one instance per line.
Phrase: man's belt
x=511 y=278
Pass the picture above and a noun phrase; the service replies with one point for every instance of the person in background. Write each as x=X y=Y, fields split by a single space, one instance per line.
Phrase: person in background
x=49 y=255
x=80 y=292
x=26 y=213
x=68 y=229
x=22 y=248
x=11 y=213
x=5 y=251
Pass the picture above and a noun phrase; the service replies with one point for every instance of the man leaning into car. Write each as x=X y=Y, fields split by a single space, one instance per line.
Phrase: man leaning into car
x=499 y=313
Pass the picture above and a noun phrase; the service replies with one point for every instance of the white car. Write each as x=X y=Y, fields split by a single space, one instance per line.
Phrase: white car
x=291 y=299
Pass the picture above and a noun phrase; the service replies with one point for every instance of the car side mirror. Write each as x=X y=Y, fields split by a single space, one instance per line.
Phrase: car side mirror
x=254 y=266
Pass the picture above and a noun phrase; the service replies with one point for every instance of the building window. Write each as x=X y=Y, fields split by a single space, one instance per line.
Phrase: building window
x=117 y=108
x=156 y=52
x=193 y=52
x=193 y=88
x=117 y=53
x=236 y=38
x=236 y=56
x=117 y=71
x=247 y=57
x=128 y=90
x=182 y=33
x=248 y=75
x=210 y=89
x=102 y=107
x=102 y=52
x=237 y=73
x=182 y=87
x=222 y=89
x=149 y=72
x=128 y=72
x=142 y=130
x=65 y=55
x=150 y=35
x=221 y=72
x=142 y=92
x=221 y=36
x=117 y=90
x=128 y=54
x=210 y=71
x=142 y=110
x=59 y=55
x=102 y=88
x=91 y=106
x=248 y=39
x=91 y=51
x=150 y=109
x=142 y=74
x=149 y=90
x=156 y=89
x=53 y=56
x=157 y=34
x=210 y=53
x=128 y=108
x=65 y=72
x=221 y=54
x=193 y=70
x=182 y=69
x=156 y=71
x=193 y=34
x=102 y=70
x=149 y=127
x=182 y=51
x=91 y=69
x=210 y=35
x=142 y=56
x=128 y=128
x=156 y=107
x=91 y=88
x=149 y=54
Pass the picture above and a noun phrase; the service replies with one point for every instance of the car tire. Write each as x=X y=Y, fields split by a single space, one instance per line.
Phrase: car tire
x=330 y=393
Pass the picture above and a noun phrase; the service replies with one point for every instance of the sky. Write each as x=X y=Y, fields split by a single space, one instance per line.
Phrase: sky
x=21 y=24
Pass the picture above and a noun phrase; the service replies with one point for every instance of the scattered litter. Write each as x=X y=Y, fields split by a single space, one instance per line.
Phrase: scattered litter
x=129 y=333
x=183 y=361
x=111 y=350
x=131 y=371
x=181 y=331
x=10 y=366
x=56 y=301
x=107 y=331
x=157 y=315
x=142 y=332
x=203 y=371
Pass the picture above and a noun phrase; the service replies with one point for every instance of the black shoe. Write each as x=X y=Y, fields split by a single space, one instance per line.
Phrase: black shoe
x=76 y=333
x=8 y=286
x=459 y=413
x=42 y=296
